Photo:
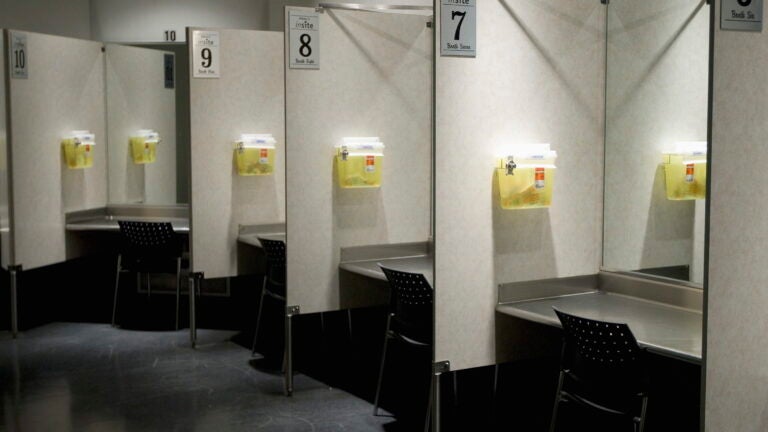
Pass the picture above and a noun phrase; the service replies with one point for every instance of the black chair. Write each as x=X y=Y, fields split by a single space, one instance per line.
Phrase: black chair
x=602 y=368
x=273 y=284
x=409 y=319
x=148 y=247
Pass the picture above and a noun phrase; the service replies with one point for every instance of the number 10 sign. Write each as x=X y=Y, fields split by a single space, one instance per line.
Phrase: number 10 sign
x=458 y=25
x=304 y=34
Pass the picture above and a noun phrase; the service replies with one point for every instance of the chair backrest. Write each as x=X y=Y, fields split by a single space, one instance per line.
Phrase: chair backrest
x=150 y=239
x=601 y=352
x=411 y=298
x=275 y=254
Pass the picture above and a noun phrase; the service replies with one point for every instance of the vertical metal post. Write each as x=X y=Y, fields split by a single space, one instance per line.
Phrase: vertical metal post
x=290 y=311
x=194 y=288
x=438 y=368
x=14 y=270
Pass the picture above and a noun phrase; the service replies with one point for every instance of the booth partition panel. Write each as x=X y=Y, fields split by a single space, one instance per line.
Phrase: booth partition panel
x=374 y=81
x=5 y=223
x=247 y=98
x=63 y=92
x=538 y=78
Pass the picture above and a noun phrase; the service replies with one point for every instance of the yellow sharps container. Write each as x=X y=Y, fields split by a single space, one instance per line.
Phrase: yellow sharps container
x=685 y=171
x=78 y=149
x=526 y=177
x=359 y=162
x=144 y=146
x=255 y=154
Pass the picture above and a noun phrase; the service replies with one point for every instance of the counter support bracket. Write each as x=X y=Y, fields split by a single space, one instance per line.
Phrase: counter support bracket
x=438 y=368
x=290 y=311
x=15 y=271
x=194 y=288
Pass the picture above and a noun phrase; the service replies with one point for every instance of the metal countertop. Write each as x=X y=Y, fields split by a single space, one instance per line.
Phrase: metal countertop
x=370 y=268
x=253 y=238
x=110 y=223
x=663 y=329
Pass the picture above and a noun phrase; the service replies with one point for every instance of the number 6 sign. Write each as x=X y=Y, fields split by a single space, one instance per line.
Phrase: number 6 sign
x=458 y=28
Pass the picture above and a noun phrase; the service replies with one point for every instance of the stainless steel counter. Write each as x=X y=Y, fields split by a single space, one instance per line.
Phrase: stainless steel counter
x=667 y=330
x=370 y=268
x=252 y=239
x=109 y=223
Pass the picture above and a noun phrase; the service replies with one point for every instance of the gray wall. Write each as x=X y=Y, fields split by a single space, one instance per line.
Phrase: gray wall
x=147 y=20
x=538 y=78
x=65 y=18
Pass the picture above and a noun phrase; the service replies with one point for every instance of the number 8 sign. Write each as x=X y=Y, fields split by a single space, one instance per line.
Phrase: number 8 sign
x=304 y=39
x=458 y=28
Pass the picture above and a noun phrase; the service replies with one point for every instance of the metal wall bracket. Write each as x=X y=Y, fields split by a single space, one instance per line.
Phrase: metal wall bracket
x=292 y=310
x=441 y=367
x=605 y=2
x=429 y=24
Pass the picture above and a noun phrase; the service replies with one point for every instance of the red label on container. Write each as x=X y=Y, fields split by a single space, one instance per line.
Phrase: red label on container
x=539 y=176
x=264 y=153
x=689 y=172
x=370 y=164
x=87 y=148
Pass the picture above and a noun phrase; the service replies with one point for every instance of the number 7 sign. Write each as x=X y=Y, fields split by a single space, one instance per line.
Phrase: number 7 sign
x=458 y=28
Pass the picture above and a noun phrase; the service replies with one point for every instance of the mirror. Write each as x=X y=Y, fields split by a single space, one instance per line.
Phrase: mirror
x=148 y=158
x=657 y=72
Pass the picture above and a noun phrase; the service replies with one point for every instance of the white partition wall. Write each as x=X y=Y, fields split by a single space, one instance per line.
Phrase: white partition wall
x=375 y=79
x=737 y=298
x=137 y=99
x=538 y=78
x=248 y=97
x=64 y=91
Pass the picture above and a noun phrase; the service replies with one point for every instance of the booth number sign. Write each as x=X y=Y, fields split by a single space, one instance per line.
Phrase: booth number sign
x=458 y=28
x=18 y=55
x=304 y=39
x=744 y=15
x=205 y=54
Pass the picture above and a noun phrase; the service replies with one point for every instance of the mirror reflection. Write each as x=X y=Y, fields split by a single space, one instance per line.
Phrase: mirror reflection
x=147 y=161
x=656 y=122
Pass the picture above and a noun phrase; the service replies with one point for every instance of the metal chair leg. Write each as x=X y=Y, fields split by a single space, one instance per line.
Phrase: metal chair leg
x=381 y=368
x=553 y=422
x=258 y=317
x=178 y=289
x=428 y=419
x=642 y=414
x=117 y=283
x=349 y=324
x=455 y=389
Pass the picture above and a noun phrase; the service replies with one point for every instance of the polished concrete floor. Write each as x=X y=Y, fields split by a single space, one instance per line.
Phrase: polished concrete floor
x=92 y=377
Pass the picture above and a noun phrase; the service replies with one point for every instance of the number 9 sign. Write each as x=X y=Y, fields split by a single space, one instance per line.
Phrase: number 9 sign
x=205 y=53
